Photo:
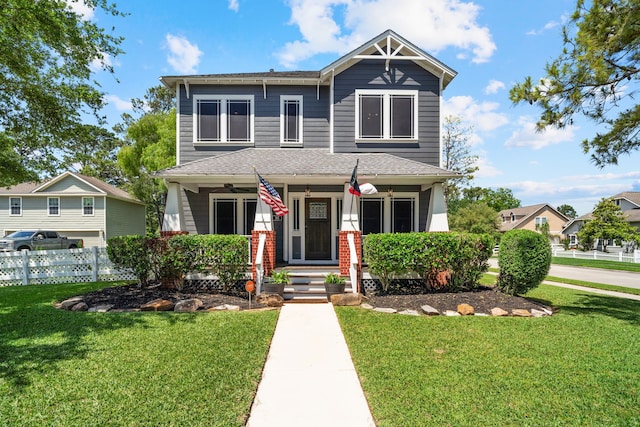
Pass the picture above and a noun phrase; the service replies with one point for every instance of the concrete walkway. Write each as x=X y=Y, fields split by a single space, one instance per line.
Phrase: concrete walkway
x=309 y=378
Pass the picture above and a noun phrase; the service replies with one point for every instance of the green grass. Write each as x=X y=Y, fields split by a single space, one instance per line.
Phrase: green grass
x=578 y=367
x=63 y=368
x=609 y=265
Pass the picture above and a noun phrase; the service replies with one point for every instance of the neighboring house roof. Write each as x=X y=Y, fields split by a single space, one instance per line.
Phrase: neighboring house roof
x=310 y=162
x=631 y=196
x=101 y=187
x=388 y=46
x=524 y=214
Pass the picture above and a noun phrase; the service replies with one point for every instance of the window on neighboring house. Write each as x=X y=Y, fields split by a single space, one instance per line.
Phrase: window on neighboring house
x=15 y=206
x=540 y=220
x=513 y=218
x=87 y=206
x=291 y=119
x=573 y=240
x=54 y=206
x=386 y=115
x=223 y=118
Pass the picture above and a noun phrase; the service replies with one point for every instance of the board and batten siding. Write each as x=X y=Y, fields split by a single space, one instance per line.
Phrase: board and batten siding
x=266 y=118
x=124 y=218
x=371 y=74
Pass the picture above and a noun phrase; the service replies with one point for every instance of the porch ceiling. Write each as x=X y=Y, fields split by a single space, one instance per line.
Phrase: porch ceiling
x=303 y=166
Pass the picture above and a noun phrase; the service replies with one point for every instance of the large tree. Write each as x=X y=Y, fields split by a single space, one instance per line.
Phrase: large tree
x=456 y=155
x=46 y=84
x=595 y=76
x=476 y=217
x=150 y=146
x=498 y=199
x=567 y=210
x=607 y=224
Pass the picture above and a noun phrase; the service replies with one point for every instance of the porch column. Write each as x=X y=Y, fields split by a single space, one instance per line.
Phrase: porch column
x=173 y=212
x=349 y=225
x=437 y=216
x=263 y=224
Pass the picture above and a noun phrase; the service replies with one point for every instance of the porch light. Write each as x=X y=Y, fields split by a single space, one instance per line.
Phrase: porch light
x=307 y=192
x=390 y=192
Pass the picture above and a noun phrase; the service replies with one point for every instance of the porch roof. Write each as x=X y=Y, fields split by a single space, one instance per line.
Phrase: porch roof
x=308 y=165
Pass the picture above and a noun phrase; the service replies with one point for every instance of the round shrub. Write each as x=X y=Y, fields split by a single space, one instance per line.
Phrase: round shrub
x=524 y=260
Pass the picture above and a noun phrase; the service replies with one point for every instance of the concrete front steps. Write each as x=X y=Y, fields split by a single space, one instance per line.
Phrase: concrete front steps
x=307 y=284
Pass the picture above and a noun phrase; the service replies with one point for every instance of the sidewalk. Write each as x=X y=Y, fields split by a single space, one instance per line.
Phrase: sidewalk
x=309 y=378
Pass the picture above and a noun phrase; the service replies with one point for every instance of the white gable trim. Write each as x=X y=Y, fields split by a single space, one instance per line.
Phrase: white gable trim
x=62 y=177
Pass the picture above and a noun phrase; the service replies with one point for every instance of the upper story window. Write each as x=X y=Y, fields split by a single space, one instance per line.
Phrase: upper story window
x=15 y=206
x=222 y=119
x=291 y=119
x=87 y=206
x=53 y=204
x=386 y=114
x=540 y=220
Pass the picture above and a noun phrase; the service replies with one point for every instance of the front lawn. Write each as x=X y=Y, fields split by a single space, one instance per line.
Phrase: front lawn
x=579 y=367
x=144 y=369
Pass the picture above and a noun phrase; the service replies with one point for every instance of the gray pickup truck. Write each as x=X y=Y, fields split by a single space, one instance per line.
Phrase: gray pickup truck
x=37 y=240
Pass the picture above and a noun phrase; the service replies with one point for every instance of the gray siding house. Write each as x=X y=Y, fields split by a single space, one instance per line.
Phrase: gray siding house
x=74 y=205
x=378 y=107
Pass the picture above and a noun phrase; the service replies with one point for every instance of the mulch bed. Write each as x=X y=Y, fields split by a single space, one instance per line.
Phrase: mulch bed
x=483 y=300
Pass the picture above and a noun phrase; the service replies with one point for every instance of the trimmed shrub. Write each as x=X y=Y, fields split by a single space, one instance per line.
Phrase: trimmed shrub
x=386 y=255
x=225 y=255
x=524 y=260
x=131 y=253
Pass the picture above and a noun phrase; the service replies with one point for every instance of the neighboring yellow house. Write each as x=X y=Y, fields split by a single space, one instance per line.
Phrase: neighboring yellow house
x=533 y=218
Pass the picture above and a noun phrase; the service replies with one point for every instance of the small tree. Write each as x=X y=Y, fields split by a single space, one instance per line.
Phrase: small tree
x=456 y=155
x=524 y=260
x=608 y=223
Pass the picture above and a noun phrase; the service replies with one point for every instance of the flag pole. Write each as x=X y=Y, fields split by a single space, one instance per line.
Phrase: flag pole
x=255 y=175
x=353 y=196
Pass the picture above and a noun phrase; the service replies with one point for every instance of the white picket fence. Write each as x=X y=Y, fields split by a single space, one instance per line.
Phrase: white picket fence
x=619 y=256
x=59 y=266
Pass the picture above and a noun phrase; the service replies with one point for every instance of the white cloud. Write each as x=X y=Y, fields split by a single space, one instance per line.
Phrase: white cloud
x=433 y=26
x=549 y=26
x=485 y=168
x=81 y=8
x=183 y=56
x=528 y=136
x=118 y=103
x=493 y=87
x=483 y=116
x=99 y=63
x=234 y=5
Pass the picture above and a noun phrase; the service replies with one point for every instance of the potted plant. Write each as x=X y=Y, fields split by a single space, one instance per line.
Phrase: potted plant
x=333 y=284
x=276 y=282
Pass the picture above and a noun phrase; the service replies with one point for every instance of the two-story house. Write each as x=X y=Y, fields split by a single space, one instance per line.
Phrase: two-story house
x=379 y=107
x=543 y=218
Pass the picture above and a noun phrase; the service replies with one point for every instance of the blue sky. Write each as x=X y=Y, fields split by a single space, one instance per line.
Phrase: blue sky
x=492 y=44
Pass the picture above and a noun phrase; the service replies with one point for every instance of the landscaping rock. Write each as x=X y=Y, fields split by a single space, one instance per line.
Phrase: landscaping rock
x=347 y=299
x=188 y=305
x=68 y=303
x=518 y=312
x=100 y=308
x=157 y=305
x=385 y=310
x=451 y=313
x=497 y=311
x=225 y=307
x=231 y=307
x=538 y=313
x=409 y=312
x=465 y=310
x=270 y=300
x=430 y=311
x=481 y=315
x=81 y=306
x=366 y=306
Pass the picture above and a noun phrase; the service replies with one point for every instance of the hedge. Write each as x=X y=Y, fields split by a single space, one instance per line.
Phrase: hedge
x=524 y=260
x=443 y=260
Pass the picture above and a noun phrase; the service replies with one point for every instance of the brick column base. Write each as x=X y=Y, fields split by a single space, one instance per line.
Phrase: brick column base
x=343 y=254
x=269 y=253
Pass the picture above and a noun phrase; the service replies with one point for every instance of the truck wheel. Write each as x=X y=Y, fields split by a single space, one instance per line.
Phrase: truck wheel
x=73 y=247
x=24 y=247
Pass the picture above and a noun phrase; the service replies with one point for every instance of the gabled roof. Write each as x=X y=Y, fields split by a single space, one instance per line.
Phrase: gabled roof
x=387 y=46
x=390 y=46
x=293 y=163
x=631 y=196
x=525 y=213
x=100 y=187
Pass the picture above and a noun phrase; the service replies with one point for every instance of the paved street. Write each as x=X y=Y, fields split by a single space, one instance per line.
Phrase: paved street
x=595 y=275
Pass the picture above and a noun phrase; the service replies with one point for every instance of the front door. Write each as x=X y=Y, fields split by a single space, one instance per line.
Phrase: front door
x=318 y=229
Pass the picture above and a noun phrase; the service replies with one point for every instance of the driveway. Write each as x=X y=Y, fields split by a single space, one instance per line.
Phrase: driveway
x=595 y=275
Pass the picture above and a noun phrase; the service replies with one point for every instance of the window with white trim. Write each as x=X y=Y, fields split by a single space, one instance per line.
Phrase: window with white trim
x=540 y=220
x=402 y=214
x=371 y=215
x=223 y=119
x=232 y=214
x=53 y=204
x=87 y=206
x=15 y=206
x=386 y=114
x=291 y=119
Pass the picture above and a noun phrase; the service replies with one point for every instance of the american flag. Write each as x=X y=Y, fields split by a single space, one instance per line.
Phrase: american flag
x=271 y=197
